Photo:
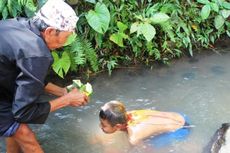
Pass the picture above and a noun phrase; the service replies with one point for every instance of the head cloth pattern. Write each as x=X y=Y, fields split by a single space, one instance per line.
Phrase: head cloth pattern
x=58 y=14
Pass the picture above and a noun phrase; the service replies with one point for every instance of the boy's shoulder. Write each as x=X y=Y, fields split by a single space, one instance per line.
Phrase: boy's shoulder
x=145 y=123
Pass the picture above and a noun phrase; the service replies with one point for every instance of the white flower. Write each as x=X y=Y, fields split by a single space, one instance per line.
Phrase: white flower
x=77 y=83
x=88 y=88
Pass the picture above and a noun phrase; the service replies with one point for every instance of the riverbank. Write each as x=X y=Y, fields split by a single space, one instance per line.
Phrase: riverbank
x=220 y=47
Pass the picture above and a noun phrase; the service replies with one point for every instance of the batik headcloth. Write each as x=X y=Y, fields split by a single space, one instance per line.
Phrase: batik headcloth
x=58 y=14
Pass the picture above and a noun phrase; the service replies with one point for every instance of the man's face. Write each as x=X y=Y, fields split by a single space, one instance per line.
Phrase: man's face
x=55 y=39
x=107 y=127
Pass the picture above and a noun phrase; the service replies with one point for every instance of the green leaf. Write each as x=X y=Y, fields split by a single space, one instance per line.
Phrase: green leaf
x=30 y=8
x=205 y=12
x=147 y=30
x=190 y=50
x=117 y=38
x=159 y=18
x=110 y=65
x=99 y=18
x=219 y=21
x=91 y=1
x=168 y=8
x=214 y=7
x=14 y=7
x=5 y=13
x=70 y=39
x=228 y=33
x=225 y=13
x=90 y=54
x=226 y=5
x=203 y=1
x=61 y=65
x=2 y=5
x=139 y=17
x=134 y=27
x=99 y=40
x=152 y=9
x=227 y=25
x=121 y=26
x=10 y=8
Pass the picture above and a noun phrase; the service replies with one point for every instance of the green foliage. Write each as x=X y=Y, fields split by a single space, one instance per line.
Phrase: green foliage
x=70 y=39
x=90 y=55
x=119 y=36
x=110 y=64
x=159 y=18
x=14 y=8
x=61 y=65
x=99 y=18
x=29 y=7
x=77 y=52
x=146 y=29
x=117 y=32
x=205 y=12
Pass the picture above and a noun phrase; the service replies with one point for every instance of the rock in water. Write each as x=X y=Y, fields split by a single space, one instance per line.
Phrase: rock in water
x=221 y=140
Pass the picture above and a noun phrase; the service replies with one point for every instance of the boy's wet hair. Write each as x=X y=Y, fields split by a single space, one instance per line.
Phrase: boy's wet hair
x=114 y=112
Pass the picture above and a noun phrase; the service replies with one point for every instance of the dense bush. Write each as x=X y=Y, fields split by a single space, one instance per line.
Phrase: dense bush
x=111 y=32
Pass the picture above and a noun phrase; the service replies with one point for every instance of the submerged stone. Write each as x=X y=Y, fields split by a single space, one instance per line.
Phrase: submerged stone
x=188 y=76
x=220 y=142
x=218 y=70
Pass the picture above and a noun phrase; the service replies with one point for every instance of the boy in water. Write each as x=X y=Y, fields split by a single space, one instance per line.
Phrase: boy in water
x=141 y=124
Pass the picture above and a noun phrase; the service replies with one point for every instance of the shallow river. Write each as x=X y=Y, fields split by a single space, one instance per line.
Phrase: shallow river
x=197 y=87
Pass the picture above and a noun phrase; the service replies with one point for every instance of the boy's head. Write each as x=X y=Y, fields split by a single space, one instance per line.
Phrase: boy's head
x=113 y=117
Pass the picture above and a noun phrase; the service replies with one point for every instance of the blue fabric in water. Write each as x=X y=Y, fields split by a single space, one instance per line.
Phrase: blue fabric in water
x=170 y=137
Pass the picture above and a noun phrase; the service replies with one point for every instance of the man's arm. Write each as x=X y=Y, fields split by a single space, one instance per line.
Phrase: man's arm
x=55 y=90
x=74 y=98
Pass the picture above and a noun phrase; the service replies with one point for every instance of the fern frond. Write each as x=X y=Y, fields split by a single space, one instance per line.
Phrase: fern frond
x=78 y=51
x=83 y=52
x=91 y=55
x=14 y=8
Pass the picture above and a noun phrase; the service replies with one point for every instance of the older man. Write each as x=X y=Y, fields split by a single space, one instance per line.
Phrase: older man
x=25 y=58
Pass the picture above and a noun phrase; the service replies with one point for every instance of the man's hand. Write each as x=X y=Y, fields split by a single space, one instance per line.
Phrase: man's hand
x=74 y=98
x=77 y=98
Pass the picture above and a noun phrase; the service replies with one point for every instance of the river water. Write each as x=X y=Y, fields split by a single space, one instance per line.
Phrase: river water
x=197 y=87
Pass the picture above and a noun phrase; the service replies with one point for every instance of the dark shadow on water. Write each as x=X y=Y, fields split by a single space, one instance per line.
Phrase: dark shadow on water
x=217 y=70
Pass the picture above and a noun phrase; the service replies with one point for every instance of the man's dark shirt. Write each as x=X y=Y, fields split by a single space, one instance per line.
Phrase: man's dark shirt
x=24 y=62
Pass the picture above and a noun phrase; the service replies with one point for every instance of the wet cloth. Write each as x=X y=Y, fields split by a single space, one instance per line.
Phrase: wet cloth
x=24 y=62
x=170 y=137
